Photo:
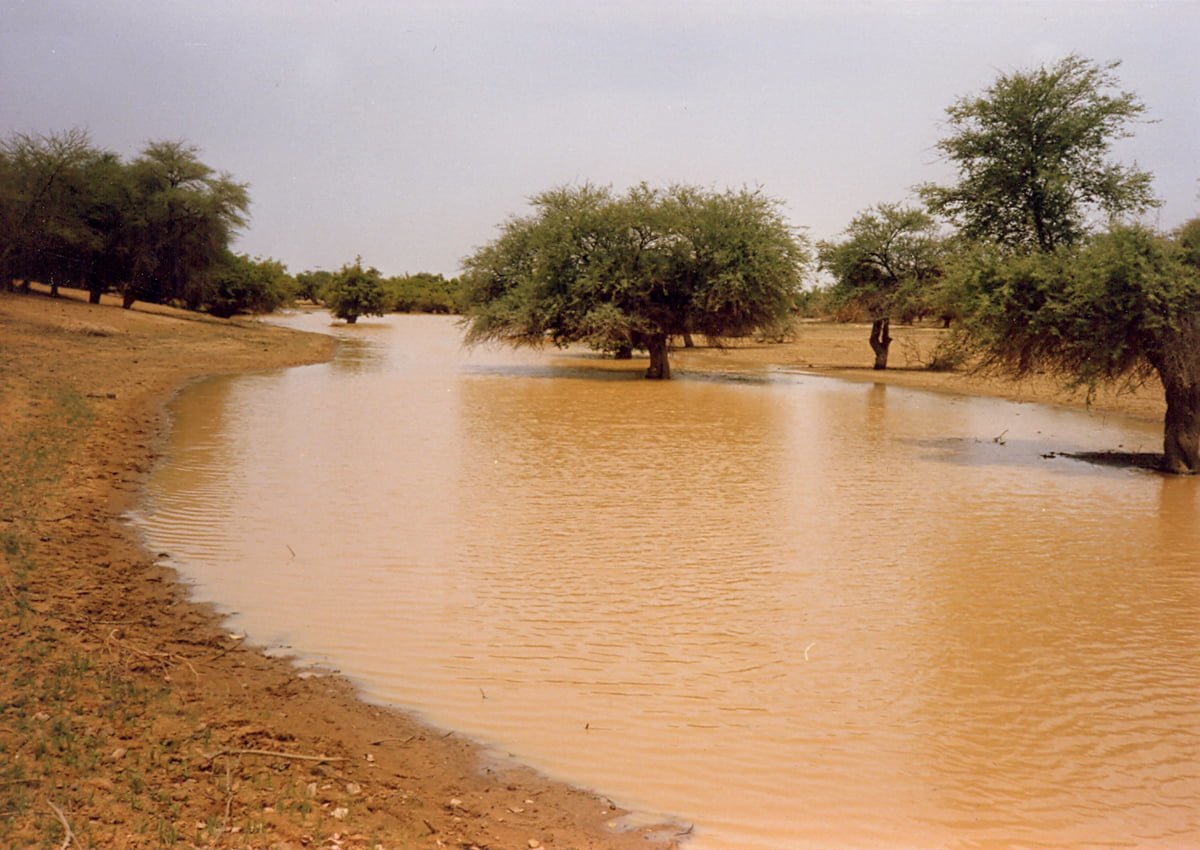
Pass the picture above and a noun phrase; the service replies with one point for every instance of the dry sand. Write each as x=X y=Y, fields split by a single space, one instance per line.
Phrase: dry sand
x=129 y=716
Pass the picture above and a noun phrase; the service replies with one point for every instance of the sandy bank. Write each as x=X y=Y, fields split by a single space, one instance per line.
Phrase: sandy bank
x=126 y=712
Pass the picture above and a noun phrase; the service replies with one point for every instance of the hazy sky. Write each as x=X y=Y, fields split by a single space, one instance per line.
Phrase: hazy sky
x=406 y=131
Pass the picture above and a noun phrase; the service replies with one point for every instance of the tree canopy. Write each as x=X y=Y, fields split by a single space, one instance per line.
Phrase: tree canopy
x=354 y=291
x=1122 y=306
x=158 y=228
x=884 y=265
x=634 y=270
x=1031 y=154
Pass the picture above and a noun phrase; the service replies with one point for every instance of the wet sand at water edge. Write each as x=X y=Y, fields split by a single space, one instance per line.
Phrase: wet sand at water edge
x=131 y=717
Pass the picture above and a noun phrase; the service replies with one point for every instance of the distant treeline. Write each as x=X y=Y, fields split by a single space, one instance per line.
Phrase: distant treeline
x=156 y=228
x=411 y=293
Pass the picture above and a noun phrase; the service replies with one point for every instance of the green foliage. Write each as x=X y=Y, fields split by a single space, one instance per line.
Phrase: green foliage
x=1122 y=306
x=158 y=228
x=886 y=263
x=44 y=183
x=186 y=216
x=243 y=285
x=1105 y=310
x=884 y=268
x=354 y=291
x=423 y=293
x=1031 y=157
x=310 y=285
x=631 y=271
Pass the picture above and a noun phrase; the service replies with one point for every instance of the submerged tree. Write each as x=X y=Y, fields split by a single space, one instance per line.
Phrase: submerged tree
x=354 y=291
x=633 y=271
x=1031 y=153
x=1124 y=306
x=884 y=265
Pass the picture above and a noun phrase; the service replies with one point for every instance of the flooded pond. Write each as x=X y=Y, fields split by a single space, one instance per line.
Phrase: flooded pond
x=794 y=611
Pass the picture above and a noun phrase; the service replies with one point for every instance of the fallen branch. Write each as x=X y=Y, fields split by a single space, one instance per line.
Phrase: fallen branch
x=69 y=837
x=407 y=740
x=161 y=657
x=271 y=754
x=228 y=797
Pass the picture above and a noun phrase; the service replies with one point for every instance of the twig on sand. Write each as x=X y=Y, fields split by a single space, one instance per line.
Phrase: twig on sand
x=407 y=740
x=271 y=754
x=161 y=657
x=228 y=796
x=69 y=836
x=8 y=584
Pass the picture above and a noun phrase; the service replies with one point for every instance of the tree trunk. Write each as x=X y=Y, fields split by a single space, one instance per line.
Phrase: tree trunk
x=624 y=352
x=880 y=340
x=94 y=295
x=351 y=319
x=128 y=296
x=660 y=369
x=1176 y=359
x=687 y=340
x=1181 y=430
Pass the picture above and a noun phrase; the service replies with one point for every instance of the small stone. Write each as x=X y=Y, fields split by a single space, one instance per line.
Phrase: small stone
x=340 y=812
x=353 y=789
x=455 y=802
x=117 y=754
x=311 y=789
x=534 y=844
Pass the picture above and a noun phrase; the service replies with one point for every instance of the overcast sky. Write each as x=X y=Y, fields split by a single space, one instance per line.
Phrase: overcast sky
x=406 y=131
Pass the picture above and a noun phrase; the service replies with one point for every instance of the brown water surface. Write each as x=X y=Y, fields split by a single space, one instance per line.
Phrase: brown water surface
x=795 y=611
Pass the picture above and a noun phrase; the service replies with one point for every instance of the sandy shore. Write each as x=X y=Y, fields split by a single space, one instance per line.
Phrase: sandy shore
x=127 y=712
x=128 y=715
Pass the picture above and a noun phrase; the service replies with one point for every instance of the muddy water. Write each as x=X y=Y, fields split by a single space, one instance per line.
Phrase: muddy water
x=794 y=611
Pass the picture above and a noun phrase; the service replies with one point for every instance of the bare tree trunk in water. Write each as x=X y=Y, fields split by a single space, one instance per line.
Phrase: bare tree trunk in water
x=660 y=369
x=880 y=340
x=1178 y=367
x=1181 y=430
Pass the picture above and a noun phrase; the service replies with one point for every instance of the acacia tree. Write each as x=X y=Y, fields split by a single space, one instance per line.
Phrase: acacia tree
x=1031 y=154
x=186 y=214
x=633 y=271
x=1123 y=306
x=889 y=257
x=41 y=183
x=354 y=291
x=1045 y=296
